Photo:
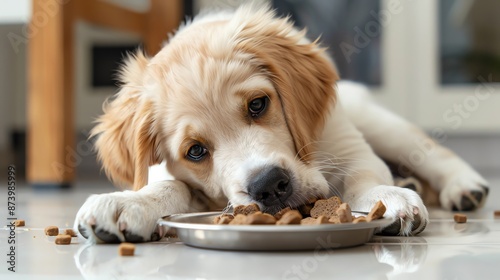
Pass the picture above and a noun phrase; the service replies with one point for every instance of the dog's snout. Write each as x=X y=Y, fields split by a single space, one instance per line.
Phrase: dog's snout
x=271 y=186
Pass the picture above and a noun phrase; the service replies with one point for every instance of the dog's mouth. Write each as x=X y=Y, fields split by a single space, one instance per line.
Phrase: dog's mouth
x=275 y=188
x=303 y=205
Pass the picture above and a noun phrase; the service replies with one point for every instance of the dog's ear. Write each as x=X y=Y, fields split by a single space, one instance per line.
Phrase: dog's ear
x=301 y=72
x=127 y=141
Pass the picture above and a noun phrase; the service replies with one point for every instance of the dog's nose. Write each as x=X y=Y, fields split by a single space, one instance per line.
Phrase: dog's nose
x=271 y=186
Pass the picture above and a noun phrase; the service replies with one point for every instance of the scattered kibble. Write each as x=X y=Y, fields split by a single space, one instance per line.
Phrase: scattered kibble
x=70 y=232
x=496 y=213
x=460 y=218
x=126 y=249
x=63 y=239
x=51 y=231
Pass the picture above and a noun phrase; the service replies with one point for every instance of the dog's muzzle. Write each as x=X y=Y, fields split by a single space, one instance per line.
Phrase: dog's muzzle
x=271 y=186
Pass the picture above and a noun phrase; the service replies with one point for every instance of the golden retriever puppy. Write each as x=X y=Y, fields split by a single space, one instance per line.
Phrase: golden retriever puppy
x=240 y=107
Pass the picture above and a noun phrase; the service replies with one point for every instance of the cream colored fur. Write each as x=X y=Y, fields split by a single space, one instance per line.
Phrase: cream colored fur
x=329 y=135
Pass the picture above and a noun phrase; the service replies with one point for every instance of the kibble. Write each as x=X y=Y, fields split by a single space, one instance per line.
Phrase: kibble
x=322 y=211
x=63 y=239
x=51 y=231
x=460 y=218
x=377 y=212
x=126 y=249
x=70 y=232
x=496 y=214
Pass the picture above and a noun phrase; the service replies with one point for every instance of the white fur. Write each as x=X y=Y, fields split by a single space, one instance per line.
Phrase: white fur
x=395 y=139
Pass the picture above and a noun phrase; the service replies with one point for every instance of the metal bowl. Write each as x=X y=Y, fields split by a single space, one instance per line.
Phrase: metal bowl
x=198 y=230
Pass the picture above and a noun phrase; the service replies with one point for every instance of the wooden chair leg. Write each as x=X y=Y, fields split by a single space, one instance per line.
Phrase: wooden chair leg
x=51 y=157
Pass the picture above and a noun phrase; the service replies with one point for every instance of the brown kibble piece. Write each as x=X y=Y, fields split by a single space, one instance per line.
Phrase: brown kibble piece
x=496 y=214
x=361 y=219
x=239 y=219
x=70 y=232
x=223 y=219
x=460 y=218
x=292 y=217
x=260 y=218
x=19 y=223
x=314 y=221
x=246 y=210
x=51 y=231
x=238 y=210
x=334 y=220
x=344 y=213
x=281 y=212
x=63 y=239
x=126 y=249
x=308 y=221
x=326 y=207
x=377 y=211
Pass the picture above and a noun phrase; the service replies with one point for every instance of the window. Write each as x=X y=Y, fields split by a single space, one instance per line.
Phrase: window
x=350 y=29
x=469 y=41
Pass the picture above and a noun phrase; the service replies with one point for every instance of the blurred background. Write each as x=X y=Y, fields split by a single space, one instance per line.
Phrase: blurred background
x=436 y=62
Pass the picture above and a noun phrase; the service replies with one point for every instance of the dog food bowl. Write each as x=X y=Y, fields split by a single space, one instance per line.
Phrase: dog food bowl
x=198 y=230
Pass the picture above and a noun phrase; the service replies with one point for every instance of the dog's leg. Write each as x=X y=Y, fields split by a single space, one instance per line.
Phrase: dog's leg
x=132 y=215
x=363 y=178
x=370 y=181
x=393 y=138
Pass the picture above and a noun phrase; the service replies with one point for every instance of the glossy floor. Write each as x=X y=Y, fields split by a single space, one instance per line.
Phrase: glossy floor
x=445 y=250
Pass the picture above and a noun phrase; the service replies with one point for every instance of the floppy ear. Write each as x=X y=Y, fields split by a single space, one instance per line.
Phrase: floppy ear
x=301 y=71
x=126 y=136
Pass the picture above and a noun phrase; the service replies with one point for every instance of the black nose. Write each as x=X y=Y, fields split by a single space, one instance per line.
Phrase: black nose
x=271 y=186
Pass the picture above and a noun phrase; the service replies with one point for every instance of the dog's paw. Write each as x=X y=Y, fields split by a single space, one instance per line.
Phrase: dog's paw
x=465 y=192
x=403 y=205
x=117 y=217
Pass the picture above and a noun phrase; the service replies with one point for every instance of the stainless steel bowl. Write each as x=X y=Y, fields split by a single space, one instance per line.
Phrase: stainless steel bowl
x=198 y=230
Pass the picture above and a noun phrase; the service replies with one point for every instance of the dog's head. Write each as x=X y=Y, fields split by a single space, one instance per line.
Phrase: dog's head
x=234 y=105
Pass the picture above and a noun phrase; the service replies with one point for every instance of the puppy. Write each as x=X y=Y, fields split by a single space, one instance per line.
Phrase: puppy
x=240 y=107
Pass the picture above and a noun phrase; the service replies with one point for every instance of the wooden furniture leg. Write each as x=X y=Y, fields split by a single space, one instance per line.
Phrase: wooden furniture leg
x=52 y=157
x=163 y=17
x=51 y=154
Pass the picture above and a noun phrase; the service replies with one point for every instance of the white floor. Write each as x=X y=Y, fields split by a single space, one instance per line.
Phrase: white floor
x=445 y=250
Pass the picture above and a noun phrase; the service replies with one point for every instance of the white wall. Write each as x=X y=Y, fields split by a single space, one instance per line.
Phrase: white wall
x=15 y=11
x=200 y=5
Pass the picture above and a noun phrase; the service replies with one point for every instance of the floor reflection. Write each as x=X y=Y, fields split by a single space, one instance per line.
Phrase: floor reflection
x=406 y=257
x=176 y=261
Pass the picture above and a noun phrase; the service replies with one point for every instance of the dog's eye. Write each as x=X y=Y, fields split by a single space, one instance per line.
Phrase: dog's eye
x=196 y=152
x=257 y=106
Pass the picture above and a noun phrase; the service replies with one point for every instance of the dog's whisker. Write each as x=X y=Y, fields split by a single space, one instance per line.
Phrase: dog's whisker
x=334 y=190
x=227 y=208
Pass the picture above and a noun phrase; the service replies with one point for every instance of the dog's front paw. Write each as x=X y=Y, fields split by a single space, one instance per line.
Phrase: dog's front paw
x=403 y=205
x=465 y=192
x=117 y=217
